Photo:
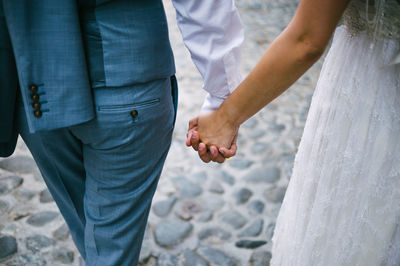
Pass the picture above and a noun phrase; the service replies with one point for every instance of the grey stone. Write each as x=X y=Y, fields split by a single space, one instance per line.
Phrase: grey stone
x=20 y=212
x=4 y=207
x=260 y=147
x=275 y=194
x=265 y=175
x=243 y=195
x=26 y=259
x=234 y=219
x=45 y=196
x=250 y=244
x=167 y=259
x=8 y=183
x=183 y=215
x=170 y=233
x=256 y=133
x=213 y=202
x=216 y=187
x=37 y=242
x=256 y=207
x=41 y=218
x=18 y=164
x=64 y=256
x=227 y=178
x=8 y=246
x=163 y=208
x=254 y=229
x=216 y=257
x=192 y=259
x=24 y=195
x=200 y=177
x=186 y=187
x=250 y=123
x=277 y=127
x=214 y=234
x=147 y=246
x=260 y=258
x=270 y=230
x=239 y=163
x=61 y=233
x=205 y=216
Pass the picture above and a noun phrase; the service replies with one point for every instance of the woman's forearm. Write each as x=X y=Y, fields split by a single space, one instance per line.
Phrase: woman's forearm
x=287 y=59
x=282 y=64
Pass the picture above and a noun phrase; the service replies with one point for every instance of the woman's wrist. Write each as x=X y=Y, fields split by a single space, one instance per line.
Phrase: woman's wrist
x=229 y=114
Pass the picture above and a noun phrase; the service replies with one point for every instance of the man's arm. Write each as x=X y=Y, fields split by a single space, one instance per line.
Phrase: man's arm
x=213 y=33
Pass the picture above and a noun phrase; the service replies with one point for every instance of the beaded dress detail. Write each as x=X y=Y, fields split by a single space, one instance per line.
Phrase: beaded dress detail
x=342 y=205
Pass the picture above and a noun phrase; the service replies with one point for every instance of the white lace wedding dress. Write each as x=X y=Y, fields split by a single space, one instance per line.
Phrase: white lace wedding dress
x=342 y=206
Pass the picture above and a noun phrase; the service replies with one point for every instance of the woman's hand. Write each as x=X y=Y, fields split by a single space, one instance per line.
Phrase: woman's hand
x=213 y=136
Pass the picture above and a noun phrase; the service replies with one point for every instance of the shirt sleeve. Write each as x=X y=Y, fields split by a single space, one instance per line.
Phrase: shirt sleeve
x=213 y=33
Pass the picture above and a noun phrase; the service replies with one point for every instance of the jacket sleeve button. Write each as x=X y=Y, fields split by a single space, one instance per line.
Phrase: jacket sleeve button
x=35 y=97
x=33 y=88
x=134 y=113
x=36 y=105
x=37 y=113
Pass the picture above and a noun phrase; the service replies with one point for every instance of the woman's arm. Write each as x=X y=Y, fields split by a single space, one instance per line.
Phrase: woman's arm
x=291 y=54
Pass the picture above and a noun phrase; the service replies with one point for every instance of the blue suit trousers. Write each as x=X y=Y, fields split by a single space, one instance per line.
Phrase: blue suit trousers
x=103 y=173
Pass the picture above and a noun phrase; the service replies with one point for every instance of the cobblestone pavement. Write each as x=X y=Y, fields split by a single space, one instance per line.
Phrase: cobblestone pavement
x=202 y=214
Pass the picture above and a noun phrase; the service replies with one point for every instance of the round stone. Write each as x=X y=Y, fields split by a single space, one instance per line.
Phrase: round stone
x=4 y=207
x=254 y=229
x=170 y=233
x=41 y=218
x=8 y=183
x=270 y=230
x=263 y=175
x=191 y=258
x=24 y=195
x=186 y=187
x=212 y=202
x=240 y=163
x=167 y=259
x=260 y=258
x=234 y=219
x=45 y=196
x=250 y=244
x=216 y=187
x=205 y=216
x=256 y=207
x=260 y=147
x=8 y=246
x=61 y=233
x=227 y=178
x=214 y=234
x=275 y=194
x=37 y=242
x=216 y=257
x=18 y=164
x=163 y=208
x=63 y=256
x=243 y=195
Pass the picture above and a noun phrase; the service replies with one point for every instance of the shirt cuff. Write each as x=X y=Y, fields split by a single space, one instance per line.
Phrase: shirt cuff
x=211 y=103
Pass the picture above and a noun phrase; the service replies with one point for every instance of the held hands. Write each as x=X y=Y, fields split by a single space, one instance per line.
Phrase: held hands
x=213 y=137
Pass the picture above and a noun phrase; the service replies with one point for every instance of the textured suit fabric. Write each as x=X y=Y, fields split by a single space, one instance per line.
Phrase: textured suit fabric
x=67 y=48
x=104 y=177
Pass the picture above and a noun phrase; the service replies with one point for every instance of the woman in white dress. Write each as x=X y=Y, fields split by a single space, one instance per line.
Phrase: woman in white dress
x=342 y=206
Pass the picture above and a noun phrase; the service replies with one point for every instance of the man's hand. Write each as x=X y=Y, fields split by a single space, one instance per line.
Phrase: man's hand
x=207 y=132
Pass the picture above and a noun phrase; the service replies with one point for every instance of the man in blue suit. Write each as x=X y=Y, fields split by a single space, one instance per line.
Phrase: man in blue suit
x=90 y=87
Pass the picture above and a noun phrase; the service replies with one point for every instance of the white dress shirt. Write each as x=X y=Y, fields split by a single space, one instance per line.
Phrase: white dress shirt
x=213 y=33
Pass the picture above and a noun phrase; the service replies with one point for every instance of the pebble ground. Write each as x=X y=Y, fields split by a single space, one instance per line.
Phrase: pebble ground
x=202 y=214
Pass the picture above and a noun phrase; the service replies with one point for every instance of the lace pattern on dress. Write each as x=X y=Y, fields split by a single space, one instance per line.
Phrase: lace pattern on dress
x=379 y=18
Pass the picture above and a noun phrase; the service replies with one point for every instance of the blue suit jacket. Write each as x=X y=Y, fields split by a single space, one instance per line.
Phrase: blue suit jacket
x=56 y=51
